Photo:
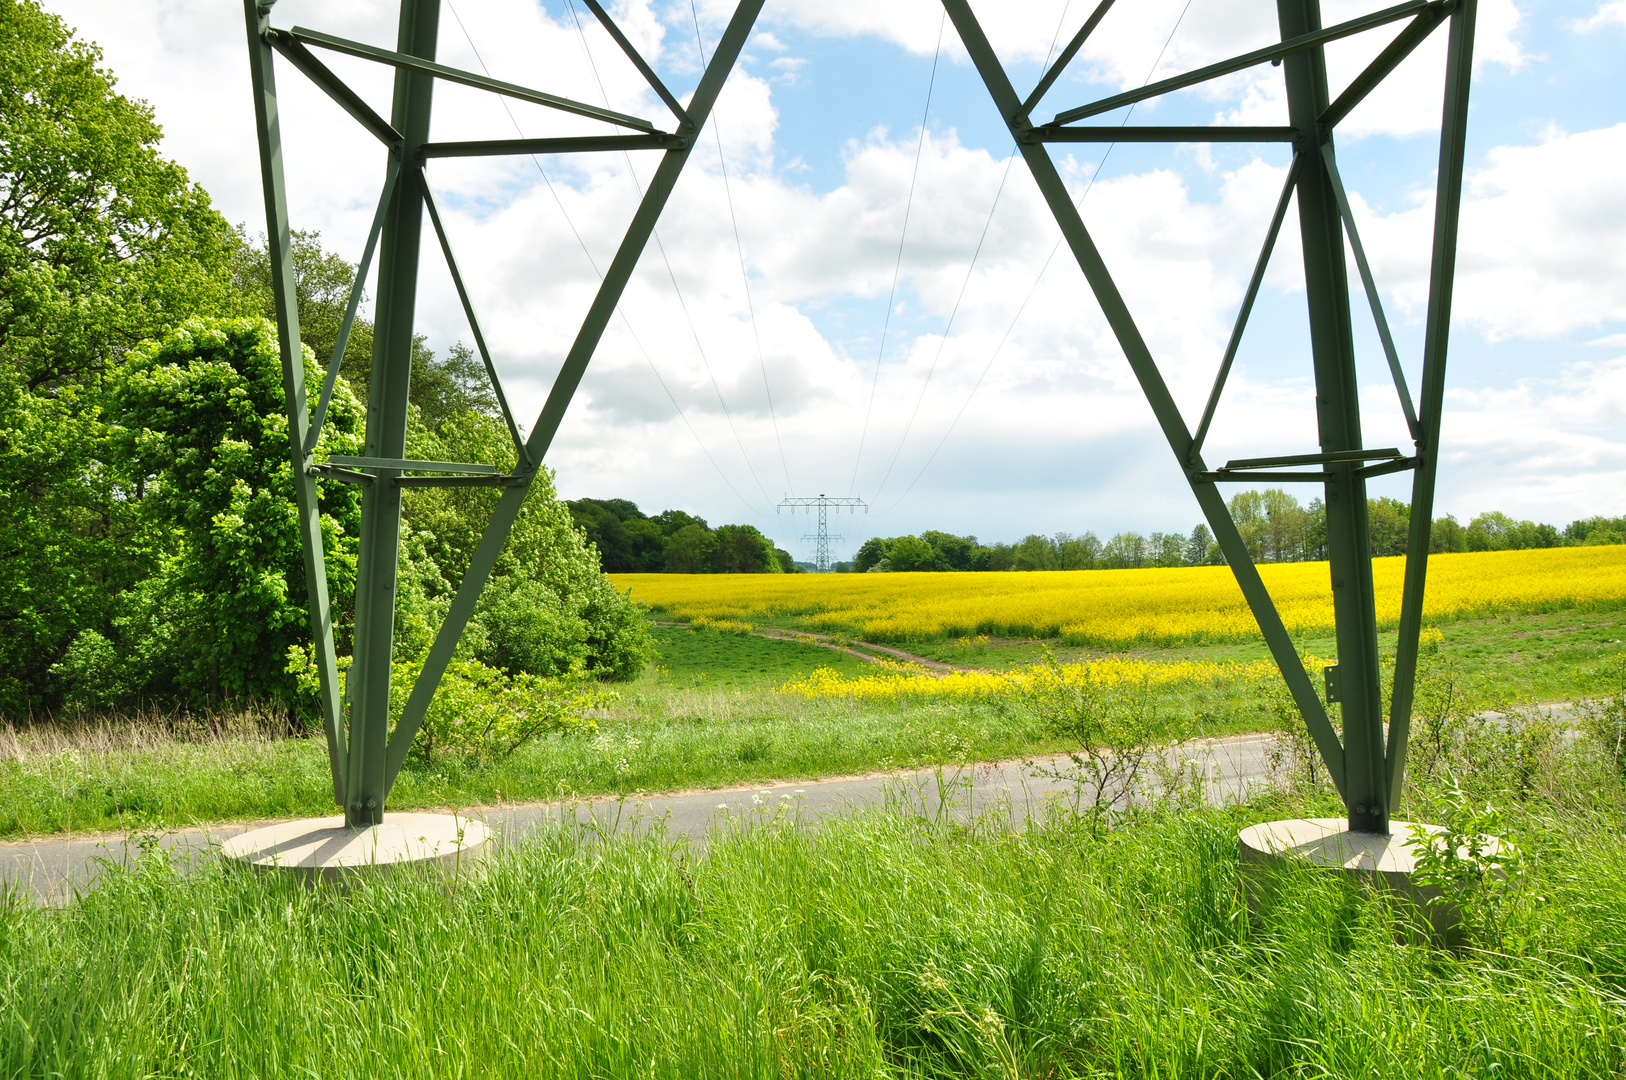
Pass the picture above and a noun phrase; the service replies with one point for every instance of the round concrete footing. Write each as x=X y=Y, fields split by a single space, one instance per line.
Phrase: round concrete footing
x=325 y=849
x=1385 y=862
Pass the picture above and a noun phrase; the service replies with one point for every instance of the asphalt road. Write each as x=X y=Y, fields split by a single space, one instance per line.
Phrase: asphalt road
x=55 y=871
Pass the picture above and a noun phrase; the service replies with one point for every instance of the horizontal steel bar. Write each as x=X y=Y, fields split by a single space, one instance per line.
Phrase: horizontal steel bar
x=411 y=465
x=479 y=82
x=660 y=140
x=1387 y=467
x=330 y=473
x=1313 y=459
x=501 y=480
x=1225 y=476
x=1246 y=60
x=1146 y=133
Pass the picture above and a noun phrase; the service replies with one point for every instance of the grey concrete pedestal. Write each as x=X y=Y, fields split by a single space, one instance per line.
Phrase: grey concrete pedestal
x=1385 y=862
x=325 y=849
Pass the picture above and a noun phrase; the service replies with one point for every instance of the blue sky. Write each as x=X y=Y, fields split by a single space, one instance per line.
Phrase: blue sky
x=819 y=129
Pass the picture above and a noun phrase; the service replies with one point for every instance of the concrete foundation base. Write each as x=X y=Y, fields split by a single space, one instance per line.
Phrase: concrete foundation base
x=324 y=849
x=1385 y=862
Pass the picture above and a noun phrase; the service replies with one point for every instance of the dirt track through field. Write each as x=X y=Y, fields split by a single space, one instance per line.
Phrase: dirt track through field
x=846 y=645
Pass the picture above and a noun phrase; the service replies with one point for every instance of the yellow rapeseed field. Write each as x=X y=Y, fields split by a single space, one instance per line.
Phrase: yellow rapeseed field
x=896 y=682
x=1118 y=608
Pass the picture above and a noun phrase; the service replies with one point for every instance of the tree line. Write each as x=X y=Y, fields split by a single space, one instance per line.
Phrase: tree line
x=1274 y=525
x=148 y=548
x=673 y=542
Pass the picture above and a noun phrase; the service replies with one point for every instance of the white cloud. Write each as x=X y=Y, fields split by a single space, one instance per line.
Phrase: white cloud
x=1611 y=11
x=1058 y=417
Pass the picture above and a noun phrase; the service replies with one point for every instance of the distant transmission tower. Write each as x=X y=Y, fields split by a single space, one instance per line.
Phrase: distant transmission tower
x=821 y=550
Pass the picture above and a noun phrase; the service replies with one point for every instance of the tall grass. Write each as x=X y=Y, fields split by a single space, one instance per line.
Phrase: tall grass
x=888 y=944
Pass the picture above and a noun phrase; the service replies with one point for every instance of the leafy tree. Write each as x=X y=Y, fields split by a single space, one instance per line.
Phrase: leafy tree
x=1077 y=552
x=440 y=388
x=1248 y=512
x=1200 y=547
x=690 y=550
x=102 y=243
x=1126 y=551
x=1388 y=525
x=1034 y=552
x=199 y=419
x=954 y=552
x=547 y=608
x=872 y=552
x=911 y=553
x=742 y=549
x=1445 y=534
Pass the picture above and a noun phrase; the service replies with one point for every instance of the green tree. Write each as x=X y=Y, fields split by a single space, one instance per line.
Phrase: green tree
x=102 y=243
x=1447 y=535
x=1248 y=512
x=1388 y=525
x=870 y=554
x=690 y=550
x=199 y=418
x=911 y=553
x=742 y=549
x=1200 y=547
x=1034 y=552
x=1077 y=552
x=547 y=607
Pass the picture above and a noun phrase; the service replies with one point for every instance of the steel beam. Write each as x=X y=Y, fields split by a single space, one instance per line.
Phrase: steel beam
x=279 y=249
x=1193 y=133
x=565 y=383
x=1054 y=190
x=1292 y=46
x=1338 y=420
x=1067 y=53
x=387 y=399
x=1436 y=335
x=403 y=60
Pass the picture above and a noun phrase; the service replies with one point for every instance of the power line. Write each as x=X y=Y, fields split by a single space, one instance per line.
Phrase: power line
x=897 y=267
x=625 y=321
x=1010 y=158
x=1094 y=175
x=739 y=249
x=683 y=304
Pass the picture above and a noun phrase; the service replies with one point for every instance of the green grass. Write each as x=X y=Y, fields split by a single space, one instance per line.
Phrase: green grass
x=740 y=661
x=889 y=944
x=707 y=717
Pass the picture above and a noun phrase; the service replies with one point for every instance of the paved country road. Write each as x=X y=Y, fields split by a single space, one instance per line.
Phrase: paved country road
x=54 y=871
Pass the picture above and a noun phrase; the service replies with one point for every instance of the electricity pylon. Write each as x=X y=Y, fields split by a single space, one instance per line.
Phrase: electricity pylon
x=1367 y=764
x=364 y=749
x=821 y=539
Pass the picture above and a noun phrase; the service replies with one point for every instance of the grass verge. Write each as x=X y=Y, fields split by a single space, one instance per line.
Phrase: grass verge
x=887 y=944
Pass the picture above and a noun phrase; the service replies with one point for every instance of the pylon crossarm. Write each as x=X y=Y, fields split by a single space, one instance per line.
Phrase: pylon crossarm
x=638 y=61
x=279 y=249
x=1296 y=44
x=335 y=87
x=572 y=144
x=1071 y=50
x=407 y=62
x=1370 y=285
x=1259 y=266
x=1139 y=133
x=357 y=287
x=1157 y=394
x=522 y=456
x=1436 y=336
x=564 y=388
x=1386 y=61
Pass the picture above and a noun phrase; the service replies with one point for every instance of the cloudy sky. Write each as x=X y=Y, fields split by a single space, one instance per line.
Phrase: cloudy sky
x=747 y=361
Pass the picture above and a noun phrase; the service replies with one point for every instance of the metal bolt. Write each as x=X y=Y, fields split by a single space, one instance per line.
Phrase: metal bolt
x=372 y=804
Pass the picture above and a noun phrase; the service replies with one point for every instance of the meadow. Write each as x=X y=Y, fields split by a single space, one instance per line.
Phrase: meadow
x=1118 y=609
x=891 y=943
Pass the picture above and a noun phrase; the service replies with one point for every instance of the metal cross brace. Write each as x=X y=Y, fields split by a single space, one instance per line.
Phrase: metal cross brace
x=1368 y=763
x=364 y=750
